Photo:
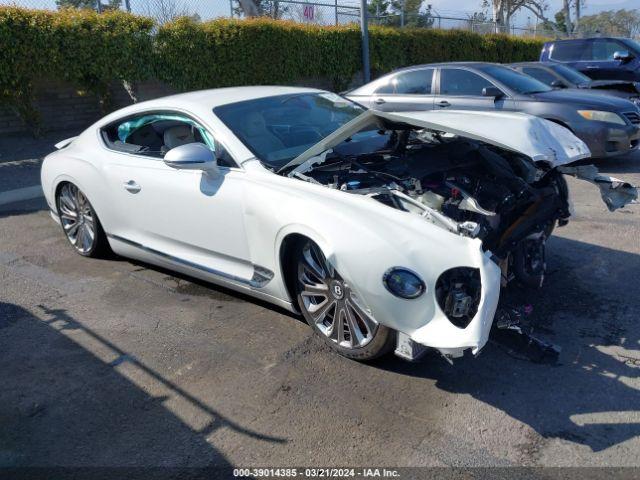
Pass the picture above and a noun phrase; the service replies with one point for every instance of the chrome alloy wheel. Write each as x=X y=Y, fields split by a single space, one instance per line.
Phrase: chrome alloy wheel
x=330 y=302
x=77 y=218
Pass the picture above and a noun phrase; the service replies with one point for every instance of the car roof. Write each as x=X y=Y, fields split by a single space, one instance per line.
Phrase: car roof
x=445 y=64
x=534 y=64
x=202 y=102
x=585 y=38
x=216 y=97
x=366 y=89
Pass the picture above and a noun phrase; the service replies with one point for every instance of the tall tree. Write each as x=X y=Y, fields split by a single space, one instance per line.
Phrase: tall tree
x=504 y=10
x=623 y=23
x=401 y=12
x=165 y=11
x=566 y=12
x=378 y=7
x=250 y=8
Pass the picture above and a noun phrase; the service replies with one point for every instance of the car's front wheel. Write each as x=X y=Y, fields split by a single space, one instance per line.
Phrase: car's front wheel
x=80 y=222
x=334 y=311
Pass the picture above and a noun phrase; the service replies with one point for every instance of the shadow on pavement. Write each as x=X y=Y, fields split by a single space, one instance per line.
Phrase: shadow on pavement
x=24 y=207
x=589 y=307
x=71 y=398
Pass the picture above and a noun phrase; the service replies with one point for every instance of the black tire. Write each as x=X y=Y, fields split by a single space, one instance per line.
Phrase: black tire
x=70 y=201
x=370 y=340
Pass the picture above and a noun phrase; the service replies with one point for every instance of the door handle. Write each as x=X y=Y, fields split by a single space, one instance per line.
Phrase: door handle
x=379 y=101
x=444 y=104
x=132 y=186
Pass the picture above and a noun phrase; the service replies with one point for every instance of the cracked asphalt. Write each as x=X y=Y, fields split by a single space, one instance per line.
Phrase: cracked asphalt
x=115 y=363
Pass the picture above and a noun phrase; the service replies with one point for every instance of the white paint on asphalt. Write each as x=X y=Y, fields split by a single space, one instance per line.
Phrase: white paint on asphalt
x=21 y=194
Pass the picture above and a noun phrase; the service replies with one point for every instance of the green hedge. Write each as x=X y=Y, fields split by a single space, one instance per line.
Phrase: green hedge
x=79 y=46
x=255 y=51
x=92 y=50
x=261 y=51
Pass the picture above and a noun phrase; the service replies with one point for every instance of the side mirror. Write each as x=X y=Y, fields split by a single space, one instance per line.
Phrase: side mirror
x=622 y=55
x=558 y=84
x=192 y=156
x=492 y=92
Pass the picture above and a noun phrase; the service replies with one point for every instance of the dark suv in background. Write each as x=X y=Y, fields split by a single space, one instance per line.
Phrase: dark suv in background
x=608 y=125
x=598 y=58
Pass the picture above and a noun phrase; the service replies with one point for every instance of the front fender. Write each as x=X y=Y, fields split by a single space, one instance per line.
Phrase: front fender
x=363 y=238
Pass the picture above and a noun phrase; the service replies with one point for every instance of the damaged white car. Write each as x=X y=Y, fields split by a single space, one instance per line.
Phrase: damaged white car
x=385 y=230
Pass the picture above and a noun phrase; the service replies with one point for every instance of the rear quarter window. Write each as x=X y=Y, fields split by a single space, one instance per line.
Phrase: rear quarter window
x=571 y=51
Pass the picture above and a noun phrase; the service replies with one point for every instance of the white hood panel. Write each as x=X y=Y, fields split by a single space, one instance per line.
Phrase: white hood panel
x=538 y=139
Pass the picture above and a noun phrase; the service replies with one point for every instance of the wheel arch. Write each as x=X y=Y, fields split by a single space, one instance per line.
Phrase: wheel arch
x=561 y=123
x=289 y=240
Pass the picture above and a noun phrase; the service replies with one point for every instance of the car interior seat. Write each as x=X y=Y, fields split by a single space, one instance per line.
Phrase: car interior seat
x=178 y=135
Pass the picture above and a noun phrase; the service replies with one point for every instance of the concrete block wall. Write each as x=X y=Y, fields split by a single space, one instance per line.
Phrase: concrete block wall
x=65 y=107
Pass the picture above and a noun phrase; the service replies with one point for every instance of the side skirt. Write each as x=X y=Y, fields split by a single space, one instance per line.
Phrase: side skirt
x=261 y=276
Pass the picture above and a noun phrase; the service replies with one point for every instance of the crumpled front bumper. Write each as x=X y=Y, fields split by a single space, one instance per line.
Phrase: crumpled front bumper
x=451 y=341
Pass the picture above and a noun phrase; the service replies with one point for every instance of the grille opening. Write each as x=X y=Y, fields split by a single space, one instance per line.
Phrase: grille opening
x=458 y=292
x=633 y=117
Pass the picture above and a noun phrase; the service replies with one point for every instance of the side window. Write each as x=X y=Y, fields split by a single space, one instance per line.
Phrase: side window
x=415 y=82
x=539 y=74
x=154 y=134
x=388 y=87
x=454 y=81
x=604 y=49
x=571 y=51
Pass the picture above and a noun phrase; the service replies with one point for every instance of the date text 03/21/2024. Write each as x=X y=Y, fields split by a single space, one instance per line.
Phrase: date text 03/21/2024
x=316 y=472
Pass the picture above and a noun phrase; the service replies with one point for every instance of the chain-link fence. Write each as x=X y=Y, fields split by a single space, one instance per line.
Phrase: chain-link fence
x=322 y=12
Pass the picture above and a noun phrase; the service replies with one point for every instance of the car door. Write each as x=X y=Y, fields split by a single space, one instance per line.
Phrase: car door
x=603 y=65
x=406 y=91
x=186 y=216
x=461 y=89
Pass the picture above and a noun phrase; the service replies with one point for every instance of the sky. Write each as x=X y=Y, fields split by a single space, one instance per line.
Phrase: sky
x=591 y=7
x=455 y=8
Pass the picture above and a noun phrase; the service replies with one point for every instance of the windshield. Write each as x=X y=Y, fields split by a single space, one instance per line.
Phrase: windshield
x=633 y=45
x=574 y=76
x=516 y=81
x=277 y=129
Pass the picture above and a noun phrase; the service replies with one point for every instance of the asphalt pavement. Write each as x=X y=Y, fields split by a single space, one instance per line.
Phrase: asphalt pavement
x=116 y=363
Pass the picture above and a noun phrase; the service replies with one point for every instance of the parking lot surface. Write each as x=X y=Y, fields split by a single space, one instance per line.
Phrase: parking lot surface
x=115 y=363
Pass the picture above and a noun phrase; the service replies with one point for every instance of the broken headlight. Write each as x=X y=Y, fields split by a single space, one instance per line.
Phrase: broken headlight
x=458 y=293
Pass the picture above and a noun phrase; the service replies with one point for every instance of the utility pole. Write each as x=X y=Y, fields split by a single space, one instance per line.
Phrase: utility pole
x=127 y=6
x=231 y=8
x=364 y=32
x=336 y=10
x=402 y=5
x=576 y=26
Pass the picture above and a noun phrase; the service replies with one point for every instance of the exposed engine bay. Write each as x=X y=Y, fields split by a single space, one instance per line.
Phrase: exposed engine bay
x=507 y=189
x=466 y=186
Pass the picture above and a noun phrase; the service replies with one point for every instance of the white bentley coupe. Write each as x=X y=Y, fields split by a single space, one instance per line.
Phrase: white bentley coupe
x=382 y=229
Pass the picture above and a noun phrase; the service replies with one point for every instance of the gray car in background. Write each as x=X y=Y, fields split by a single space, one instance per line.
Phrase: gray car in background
x=608 y=125
x=557 y=75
